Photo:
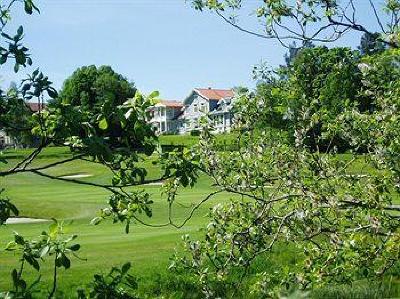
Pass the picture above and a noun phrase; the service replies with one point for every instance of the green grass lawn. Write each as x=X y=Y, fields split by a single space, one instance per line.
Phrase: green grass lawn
x=188 y=140
x=104 y=245
x=107 y=245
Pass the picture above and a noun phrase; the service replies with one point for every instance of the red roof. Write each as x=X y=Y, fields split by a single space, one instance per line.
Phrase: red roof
x=35 y=107
x=214 y=94
x=172 y=104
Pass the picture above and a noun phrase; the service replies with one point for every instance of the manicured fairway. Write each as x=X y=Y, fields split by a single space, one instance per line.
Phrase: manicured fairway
x=107 y=244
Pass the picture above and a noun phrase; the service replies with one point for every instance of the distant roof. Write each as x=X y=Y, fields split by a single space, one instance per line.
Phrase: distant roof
x=171 y=103
x=35 y=107
x=214 y=94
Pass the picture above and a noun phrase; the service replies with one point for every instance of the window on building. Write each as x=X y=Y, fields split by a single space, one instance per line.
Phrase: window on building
x=195 y=108
x=170 y=112
x=202 y=107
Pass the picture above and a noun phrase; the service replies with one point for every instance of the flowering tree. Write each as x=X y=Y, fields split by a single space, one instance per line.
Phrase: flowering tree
x=337 y=211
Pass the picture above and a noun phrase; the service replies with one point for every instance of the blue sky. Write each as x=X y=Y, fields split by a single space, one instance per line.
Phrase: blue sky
x=160 y=45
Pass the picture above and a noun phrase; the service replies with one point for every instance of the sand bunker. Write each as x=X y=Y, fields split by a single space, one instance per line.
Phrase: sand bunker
x=154 y=184
x=76 y=176
x=19 y=220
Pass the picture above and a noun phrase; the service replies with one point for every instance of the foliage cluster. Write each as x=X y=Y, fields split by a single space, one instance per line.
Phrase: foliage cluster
x=344 y=224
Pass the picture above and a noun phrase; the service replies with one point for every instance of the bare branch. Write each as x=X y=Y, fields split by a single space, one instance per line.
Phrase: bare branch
x=196 y=207
x=377 y=16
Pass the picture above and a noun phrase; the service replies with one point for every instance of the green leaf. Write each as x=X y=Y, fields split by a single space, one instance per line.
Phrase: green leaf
x=22 y=284
x=19 y=239
x=35 y=73
x=58 y=261
x=66 y=263
x=139 y=131
x=20 y=58
x=11 y=246
x=123 y=123
x=74 y=247
x=96 y=221
x=26 y=87
x=3 y=59
x=127 y=228
x=52 y=93
x=28 y=5
x=103 y=124
x=154 y=94
x=53 y=229
x=16 y=68
x=149 y=149
x=20 y=30
x=44 y=251
x=14 y=275
x=128 y=113
x=14 y=209
x=125 y=268
x=33 y=262
x=5 y=35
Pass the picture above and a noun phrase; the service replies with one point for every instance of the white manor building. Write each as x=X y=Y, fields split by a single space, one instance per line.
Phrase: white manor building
x=165 y=117
x=5 y=139
x=173 y=117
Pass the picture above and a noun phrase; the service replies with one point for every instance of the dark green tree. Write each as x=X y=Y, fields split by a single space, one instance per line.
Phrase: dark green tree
x=91 y=95
x=325 y=82
x=100 y=113
x=91 y=87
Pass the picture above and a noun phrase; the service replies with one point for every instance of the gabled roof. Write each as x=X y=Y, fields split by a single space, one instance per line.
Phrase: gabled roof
x=210 y=94
x=214 y=94
x=170 y=103
x=36 y=107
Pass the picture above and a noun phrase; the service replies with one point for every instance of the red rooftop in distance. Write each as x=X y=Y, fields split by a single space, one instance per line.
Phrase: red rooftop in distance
x=36 y=107
x=170 y=103
x=215 y=94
